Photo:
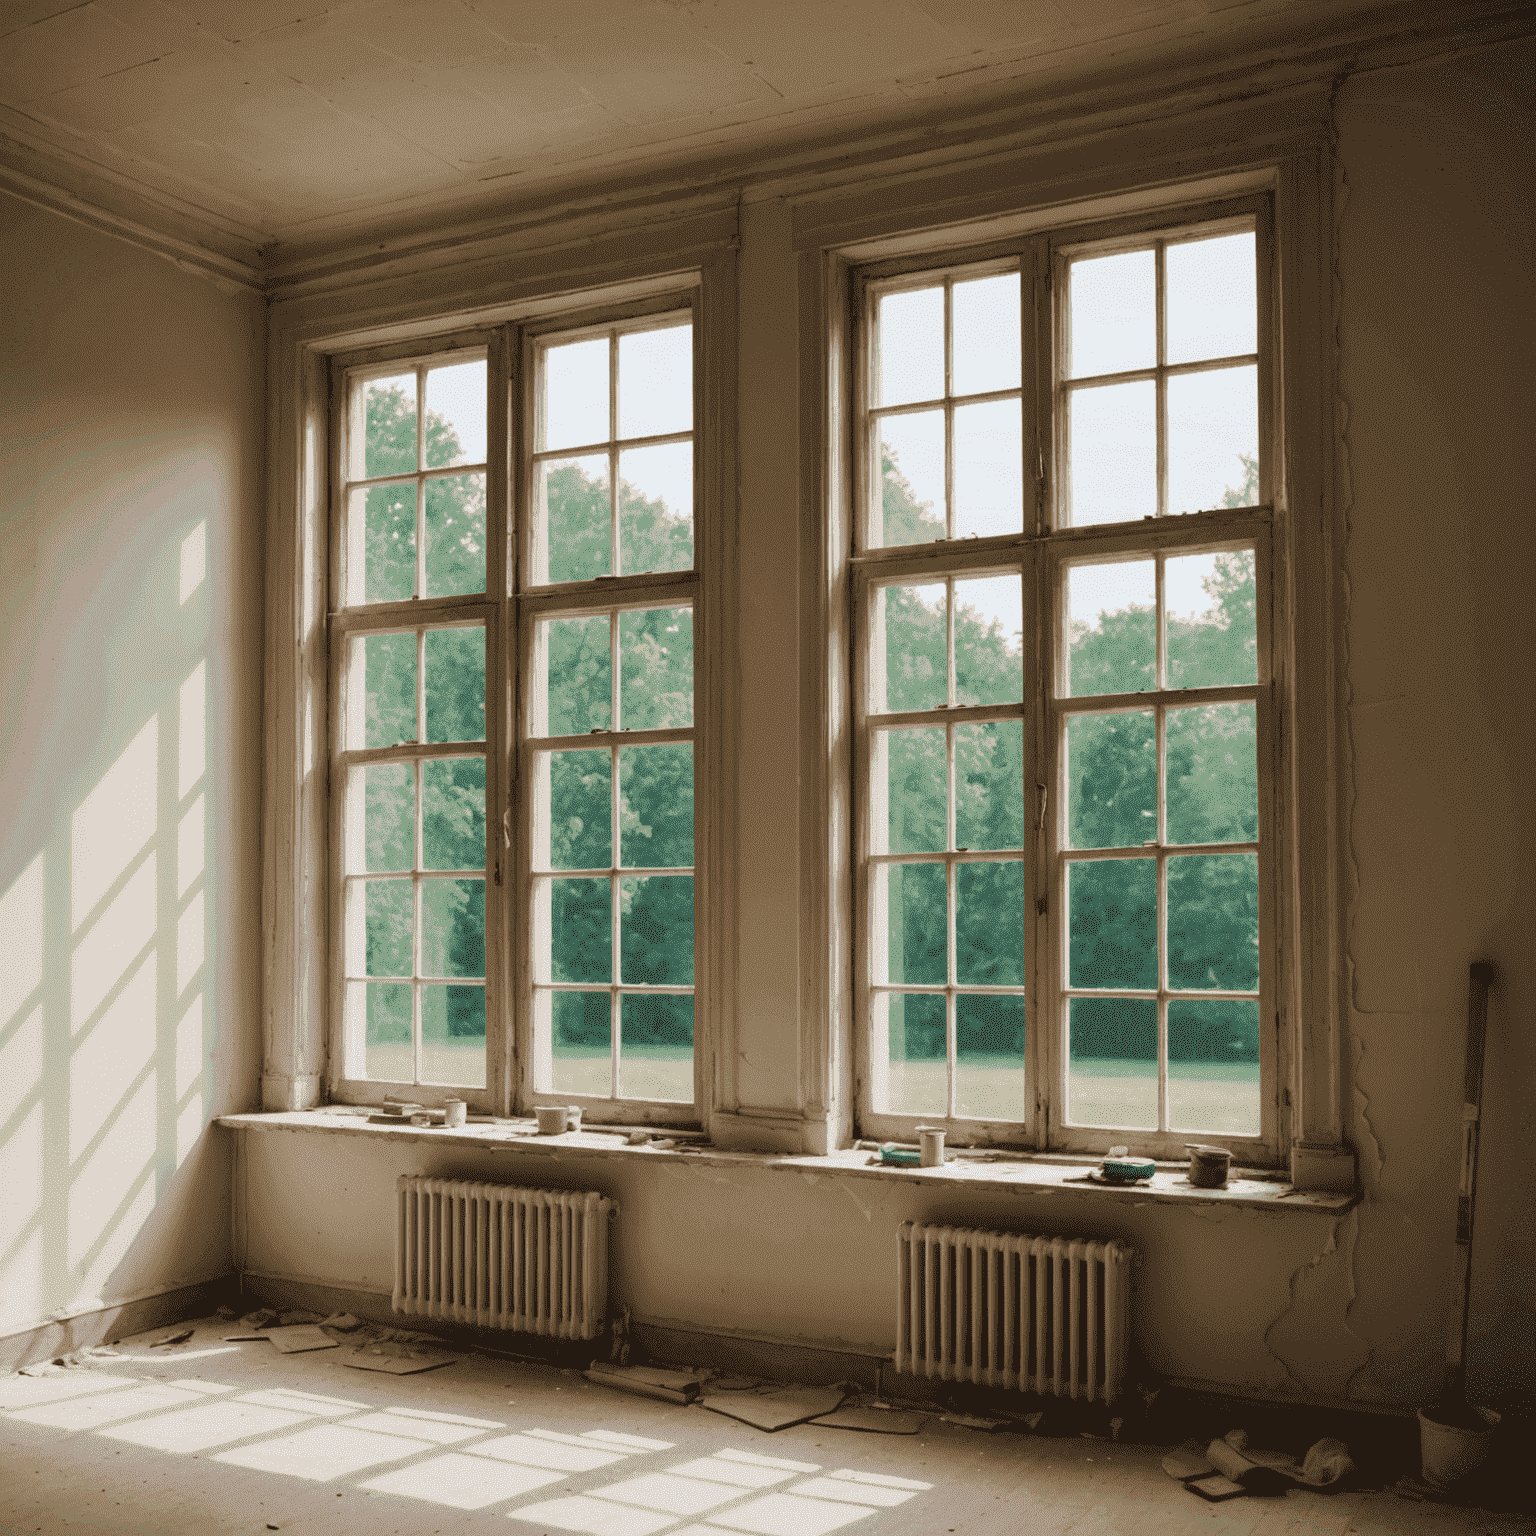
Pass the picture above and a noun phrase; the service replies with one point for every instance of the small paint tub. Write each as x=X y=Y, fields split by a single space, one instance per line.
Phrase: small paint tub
x=1450 y=1451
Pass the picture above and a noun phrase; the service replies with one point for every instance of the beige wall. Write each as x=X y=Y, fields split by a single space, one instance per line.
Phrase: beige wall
x=130 y=640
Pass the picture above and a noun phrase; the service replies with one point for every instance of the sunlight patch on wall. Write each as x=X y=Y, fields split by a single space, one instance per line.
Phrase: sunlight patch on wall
x=105 y=1211
x=21 y=1229
x=190 y=931
x=113 y=823
x=21 y=921
x=192 y=731
x=191 y=834
x=194 y=560
x=189 y=1077
x=99 y=1077
x=108 y=949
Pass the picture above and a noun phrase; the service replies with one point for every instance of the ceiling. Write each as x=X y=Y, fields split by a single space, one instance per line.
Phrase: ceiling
x=284 y=122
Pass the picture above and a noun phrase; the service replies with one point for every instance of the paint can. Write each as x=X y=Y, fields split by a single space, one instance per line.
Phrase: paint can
x=573 y=1117
x=1450 y=1450
x=455 y=1112
x=551 y=1118
x=930 y=1146
x=1208 y=1166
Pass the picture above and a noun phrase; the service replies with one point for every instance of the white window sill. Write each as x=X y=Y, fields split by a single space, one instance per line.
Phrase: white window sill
x=1038 y=1174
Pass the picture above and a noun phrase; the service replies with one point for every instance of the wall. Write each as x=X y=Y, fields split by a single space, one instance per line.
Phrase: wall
x=131 y=416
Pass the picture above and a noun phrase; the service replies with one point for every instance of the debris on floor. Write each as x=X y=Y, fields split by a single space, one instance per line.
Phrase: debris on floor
x=292 y=1319
x=297 y=1338
x=872 y=1420
x=665 y=1386
x=226 y=1314
x=1327 y=1462
x=261 y=1318
x=180 y=1337
x=396 y=1357
x=777 y=1409
x=972 y=1421
x=1183 y=1465
x=1215 y=1487
x=342 y=1322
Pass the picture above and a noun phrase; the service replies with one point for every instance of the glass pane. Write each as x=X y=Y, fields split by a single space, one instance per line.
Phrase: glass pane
x=656 y=806
x=580 y=810
x=1111 y=628
x=581 y=1044
x=656 y=508
x=389 y=543
x=1213 y=774
x=1212 y=637
x=915 y=922
x=1113 y=912
x=455 y=518
x=453 y=813
x=985 y=324
x=575 y=395
x=1114 y=453
x=656 y=383
x=389 y=925
x=578 y=675
x=912 y=672
x=573 y=517
x=389 y=690
x=455 y=663
x=1112 y=1062
x=388 y=1055
x=1212 y=298
x=910 y=331
x=989 y=1057
x=455 y=416
x=912 y=478
x=453 y=928
x=1213 y=439
x=389 y=426
x=1113 y=314
x=656 y=1047
x=389 y=815
x=989 y=924
x=989 y=785
x=989 y=640
x=989 y=469
x=581 y=930
x=913 y=1026
x=1111 y=780
x=656 y=669
x=656 y=931
x=910 y=774
x=1213 y=922
x=1213 y=1067
x=453 y=1036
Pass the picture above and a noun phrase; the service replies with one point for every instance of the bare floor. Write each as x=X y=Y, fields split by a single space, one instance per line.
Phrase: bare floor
x=210 y=1436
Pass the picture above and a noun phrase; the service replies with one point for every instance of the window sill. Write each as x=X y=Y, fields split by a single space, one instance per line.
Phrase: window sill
x=1042 y=1174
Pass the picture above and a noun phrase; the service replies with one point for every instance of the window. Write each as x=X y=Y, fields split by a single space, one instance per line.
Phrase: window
x=1062 y=665
x=513 y=729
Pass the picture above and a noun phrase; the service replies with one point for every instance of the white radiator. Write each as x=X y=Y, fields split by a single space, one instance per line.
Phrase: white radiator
x=1042 y=1314
x=531 y=1260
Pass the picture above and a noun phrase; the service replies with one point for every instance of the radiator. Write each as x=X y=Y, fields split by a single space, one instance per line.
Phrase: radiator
x=1042 y=1314
x=531 y=1260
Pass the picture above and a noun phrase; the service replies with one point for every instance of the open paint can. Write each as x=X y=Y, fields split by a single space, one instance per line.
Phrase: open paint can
x=1208 y=1166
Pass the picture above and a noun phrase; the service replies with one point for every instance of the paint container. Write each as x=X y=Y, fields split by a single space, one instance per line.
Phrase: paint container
x=455 y=1112
x=573 y=1117
x=421 y=1120
x=1450 y=1450
x=930 y=1146
x=551 y=1118
x=1208 y=1166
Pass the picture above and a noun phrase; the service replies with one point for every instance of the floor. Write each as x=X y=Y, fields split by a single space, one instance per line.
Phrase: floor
x=213 y=1436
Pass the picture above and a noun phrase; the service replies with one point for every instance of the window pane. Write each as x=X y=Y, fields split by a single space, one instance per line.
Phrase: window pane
x=577 y=675
x=575 y=403
x=912 y=673
x=453 y=928
x=914 y=905
x=580 y=930
x=1112 y=628
x=656 y=508
x=1212 y=638
x=1213 y=922
x=388 y=1055
x=656 y=668
x=656 y=384
x=1213 y=1067
x=455 y=662
x=580 y=810
x=1213 y=774
x=989 y=785
x=389 y=690
x=910 y=329
x=1114 y=453
x=389 y=430
x=656 y=1047
x=1111 y=780
x=389 y=925
x=912 y=478
x=1112 y=1062
x=656 y=931
x=455 y=417
x=909 y=1028
x=912 y=764
x=1113 y=912
x=1113 y=314
x=1213 y=439
x=989 y=625
x=985 y=323
x=389 y=543
x=989 y=1057
x=453 y=1036
x=656 y=808
x=581 y=1043
x=389 y=815
x=455 y=519
x=574 y=519
x=1212 y=302
x=989 y=469
x=989 y=924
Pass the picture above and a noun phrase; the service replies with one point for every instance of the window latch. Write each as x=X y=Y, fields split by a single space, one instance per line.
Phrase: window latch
x=1045 y=795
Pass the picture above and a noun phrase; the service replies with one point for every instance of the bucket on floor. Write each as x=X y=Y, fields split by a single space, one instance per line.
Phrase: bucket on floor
x=1451 y=1451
